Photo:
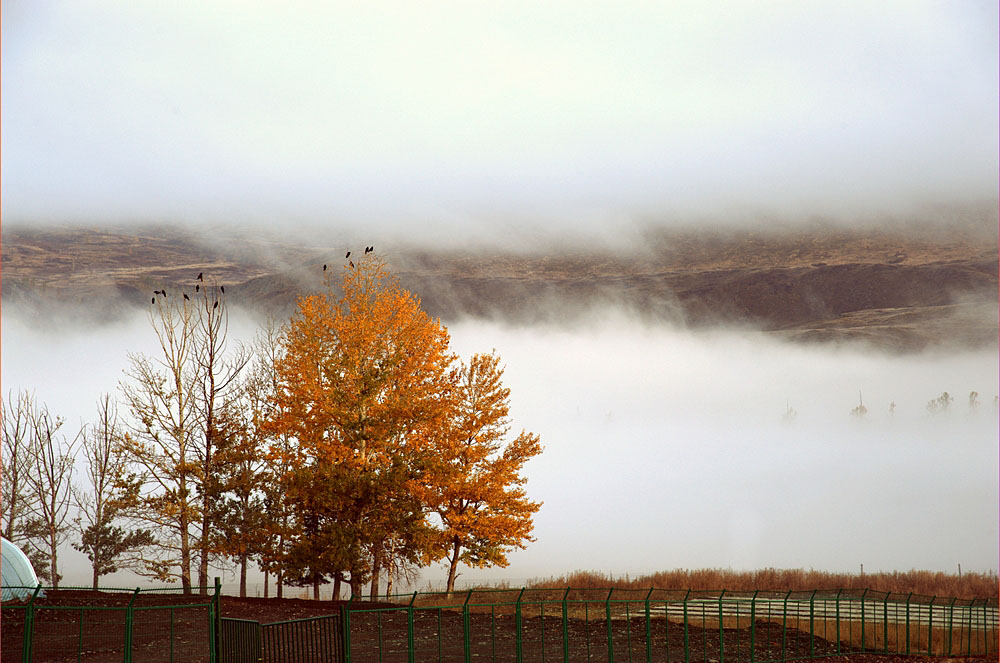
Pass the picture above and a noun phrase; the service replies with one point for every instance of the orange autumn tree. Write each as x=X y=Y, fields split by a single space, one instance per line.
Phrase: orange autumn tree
x=475 y=485
x=364 y=383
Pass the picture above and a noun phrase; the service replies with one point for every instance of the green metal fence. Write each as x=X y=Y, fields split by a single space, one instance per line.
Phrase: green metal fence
x=607 y=625
x=503 y=625
x=151 y=625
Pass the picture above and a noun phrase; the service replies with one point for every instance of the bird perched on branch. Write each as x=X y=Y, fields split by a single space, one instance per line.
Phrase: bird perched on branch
x=186 y=297
x=351 y=263
x=196 y=287
x=223 y=289
x=200 y=275
x=215 y=305
x=324 y=268
x=348 y=255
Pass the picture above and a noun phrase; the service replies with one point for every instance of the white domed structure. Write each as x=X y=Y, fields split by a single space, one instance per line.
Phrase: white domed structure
x=18 y=574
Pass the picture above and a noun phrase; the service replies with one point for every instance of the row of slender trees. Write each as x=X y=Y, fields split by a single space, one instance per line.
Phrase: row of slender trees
x=349 y=445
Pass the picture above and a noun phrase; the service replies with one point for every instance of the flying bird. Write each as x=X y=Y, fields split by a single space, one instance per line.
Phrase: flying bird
x=348 y=255
x=200 y=275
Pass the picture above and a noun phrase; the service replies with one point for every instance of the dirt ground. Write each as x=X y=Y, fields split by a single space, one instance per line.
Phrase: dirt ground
x=167 y=630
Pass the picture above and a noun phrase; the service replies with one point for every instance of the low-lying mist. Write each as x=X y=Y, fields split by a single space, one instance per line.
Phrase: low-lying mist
x=668 y=448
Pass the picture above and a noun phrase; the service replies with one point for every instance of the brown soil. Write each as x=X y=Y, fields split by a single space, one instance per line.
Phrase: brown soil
x=904 y=288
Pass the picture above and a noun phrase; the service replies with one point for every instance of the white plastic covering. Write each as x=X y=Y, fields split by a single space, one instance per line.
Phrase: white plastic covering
x=17 y=572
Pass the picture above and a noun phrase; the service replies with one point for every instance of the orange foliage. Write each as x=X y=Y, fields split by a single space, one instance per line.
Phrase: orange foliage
x=474 y=484
x=388 y=431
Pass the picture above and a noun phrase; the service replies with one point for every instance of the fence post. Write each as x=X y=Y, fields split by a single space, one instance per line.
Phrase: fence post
x=565 y=626
x=128 y=627
x=722 y=640
x=518 y=622
x=784 y=625
x=649 y=631
x=753 y=623
x=968 y=647
x=410 y=642
x=687 y=643
x=216 y=625
x=607 y=621
x=885 y=623
x=951 y=617
x=930 y=624
x=29 y=626
x=345 y=619
x=863 y=595
x=466 y=628
x=812 y=625
x=836 y=603
x=908 y=623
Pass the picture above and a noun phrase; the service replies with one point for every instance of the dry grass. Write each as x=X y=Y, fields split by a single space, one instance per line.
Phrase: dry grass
x=927 y=583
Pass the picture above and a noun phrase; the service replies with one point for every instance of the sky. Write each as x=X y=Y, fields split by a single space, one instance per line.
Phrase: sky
x=476 y=118
x=664 y=448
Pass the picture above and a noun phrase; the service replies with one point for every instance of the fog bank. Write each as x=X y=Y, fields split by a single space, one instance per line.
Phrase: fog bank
x=668 y=448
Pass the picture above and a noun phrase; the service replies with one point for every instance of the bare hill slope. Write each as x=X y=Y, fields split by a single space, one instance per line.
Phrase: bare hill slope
x=899 y=289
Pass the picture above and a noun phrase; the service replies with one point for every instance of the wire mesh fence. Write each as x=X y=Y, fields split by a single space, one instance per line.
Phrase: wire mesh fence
x=154 y=625
x=505 y=625
x=661 y=625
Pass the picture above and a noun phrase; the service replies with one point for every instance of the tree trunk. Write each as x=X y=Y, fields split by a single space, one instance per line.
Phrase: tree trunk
x=376 y=567
x=279 y=581
x=355 y=583
x=96 y=577
x=185 y=552
x=203 y=568
x=338 y=578
x=243 y=577
x=54 y=568
x=316 y=589
x=267 y=577
x=453 y=567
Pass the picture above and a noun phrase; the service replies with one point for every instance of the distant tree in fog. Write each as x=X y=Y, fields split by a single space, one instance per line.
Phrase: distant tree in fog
x=860 y=411
x=941 y=403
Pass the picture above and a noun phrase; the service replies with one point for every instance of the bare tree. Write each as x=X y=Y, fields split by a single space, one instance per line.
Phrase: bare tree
x=218 y=370
x=18 y=415
x=51 y=485
x=107 y=545
x=162 y=397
